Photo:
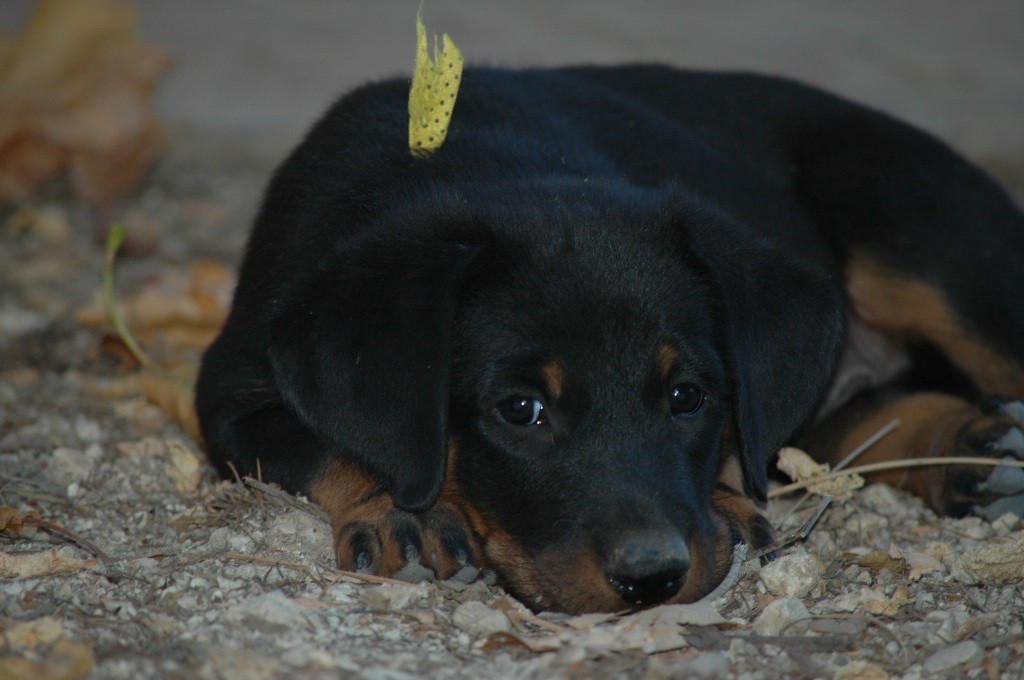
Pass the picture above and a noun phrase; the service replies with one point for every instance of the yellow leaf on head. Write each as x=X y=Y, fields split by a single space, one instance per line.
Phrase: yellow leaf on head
x=435 y=84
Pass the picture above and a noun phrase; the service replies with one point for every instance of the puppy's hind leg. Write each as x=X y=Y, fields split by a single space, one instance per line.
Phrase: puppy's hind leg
x=932 y=251
x=933 y=424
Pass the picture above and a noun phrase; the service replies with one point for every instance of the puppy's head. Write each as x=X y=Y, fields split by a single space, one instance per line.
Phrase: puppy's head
x=581 y=373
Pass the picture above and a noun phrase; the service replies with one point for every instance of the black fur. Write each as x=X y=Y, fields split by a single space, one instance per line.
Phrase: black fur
x=386 y=303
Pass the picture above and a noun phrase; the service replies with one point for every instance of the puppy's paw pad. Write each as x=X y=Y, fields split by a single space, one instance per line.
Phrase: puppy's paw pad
x=380 y=544
x=447 y=544
x=1012 y=442
x=358 y=548
x=413 y=572
x=407 y=546
x=998 y=508
x=1014 y=409
x=989 y=491
x=1004 y=481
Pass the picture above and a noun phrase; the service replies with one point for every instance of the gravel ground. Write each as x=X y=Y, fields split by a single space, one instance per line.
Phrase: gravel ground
x=152 y=568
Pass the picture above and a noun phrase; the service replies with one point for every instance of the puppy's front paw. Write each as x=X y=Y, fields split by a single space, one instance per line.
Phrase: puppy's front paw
x=392 y=542
x=372 y=536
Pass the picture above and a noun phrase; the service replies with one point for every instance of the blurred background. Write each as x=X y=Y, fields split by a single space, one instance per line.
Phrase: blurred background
x=267 y=68
x=170 y=115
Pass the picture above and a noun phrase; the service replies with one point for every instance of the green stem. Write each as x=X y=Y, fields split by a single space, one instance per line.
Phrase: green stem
x=114 y=240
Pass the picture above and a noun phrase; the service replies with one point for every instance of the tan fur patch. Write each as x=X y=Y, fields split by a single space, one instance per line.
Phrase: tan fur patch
x=730 y=474
x=667 y=355
x=929 y=425
x=903 y=308
x=554 y=378
x=343 y=491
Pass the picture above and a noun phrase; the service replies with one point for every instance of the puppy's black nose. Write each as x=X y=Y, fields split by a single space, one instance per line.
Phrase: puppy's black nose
x=649 y=567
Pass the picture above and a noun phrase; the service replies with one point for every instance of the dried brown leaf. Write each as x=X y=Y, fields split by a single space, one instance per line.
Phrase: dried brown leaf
x=11 y=522
x=183 y=467
x=174 y=393
x=45 y=563
x=860 y=670
x=183 y=310
x=653 y=630
x=77 y=89
x=799 y=467
x=890 y=606
x=33 y=634
x=995 y=564
x=877 y=561
x=504 y=641
x=65 y=660
x=917 y=564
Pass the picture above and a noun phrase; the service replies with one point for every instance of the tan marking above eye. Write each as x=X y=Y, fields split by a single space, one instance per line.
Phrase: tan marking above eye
x=554 y=378
x=667 y=355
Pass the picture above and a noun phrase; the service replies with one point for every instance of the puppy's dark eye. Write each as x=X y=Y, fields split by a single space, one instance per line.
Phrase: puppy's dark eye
x=522 y=411
x=685 y=399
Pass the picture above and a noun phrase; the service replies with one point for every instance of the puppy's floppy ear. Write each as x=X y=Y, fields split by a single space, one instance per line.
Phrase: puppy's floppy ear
x=782 y=325
x=361 y=351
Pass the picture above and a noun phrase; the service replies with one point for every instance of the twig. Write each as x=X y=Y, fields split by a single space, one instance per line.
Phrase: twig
x=287 y=499
x=368 y=578
x=254 y=559
x=67 y=535
x=894 y=465
x=73 y=538
x=527 y=617
x=739 y=556
x=849 y=458
x=234 y=473
x=868 y=443
x=800 y=534
x=336 y=574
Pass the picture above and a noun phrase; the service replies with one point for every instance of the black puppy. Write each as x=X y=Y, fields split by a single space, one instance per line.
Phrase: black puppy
x=566 y=345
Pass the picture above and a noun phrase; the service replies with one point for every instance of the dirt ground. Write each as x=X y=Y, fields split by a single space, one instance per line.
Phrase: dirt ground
x=126 y=558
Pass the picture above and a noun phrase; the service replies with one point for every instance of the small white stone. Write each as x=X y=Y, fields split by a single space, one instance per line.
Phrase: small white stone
x=479 y=620
x=948 y=658
x=16 y=321
x=87 y=429
x=67 y=466
x=272 y=611
x=218 y=539
x=867 y=524
x=1006 y=524
x=394 y=596
x=785 y=616
x=295 y=530
x=792 y=575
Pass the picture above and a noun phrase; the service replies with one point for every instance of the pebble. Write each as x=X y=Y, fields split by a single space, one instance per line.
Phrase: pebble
x=867 y=524
x=67 y=466
x=17 y=321
x=792 y=575
x=884 y=499
x=1006 y=524
x=296 y=529
x=948 y=658
x=223 y=538
x=413 y=572
x=87 y=430
x=712 y=665
x=271 y=612
x=394 y=596
x=479 y=620
x=785 y=616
